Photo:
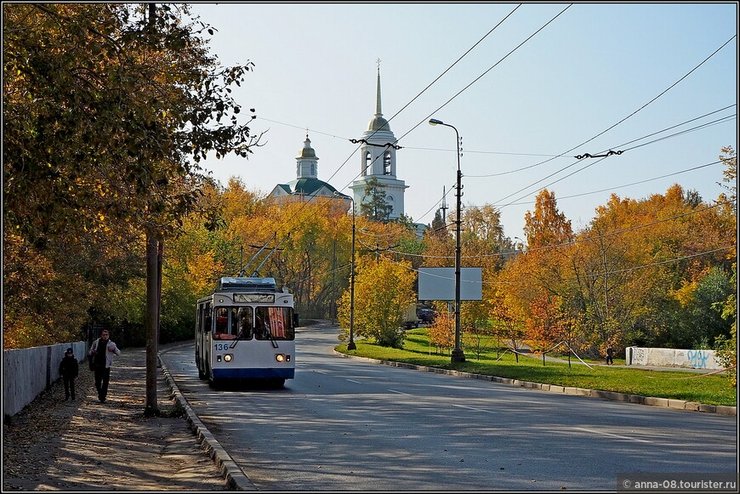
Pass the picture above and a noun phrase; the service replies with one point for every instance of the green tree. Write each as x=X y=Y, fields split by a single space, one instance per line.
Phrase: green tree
x=702 y=321
x=374 y=205
x=438 y=225
x=729 y=157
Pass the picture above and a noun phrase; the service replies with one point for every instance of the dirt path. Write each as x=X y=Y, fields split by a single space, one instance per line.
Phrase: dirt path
x=86 y=445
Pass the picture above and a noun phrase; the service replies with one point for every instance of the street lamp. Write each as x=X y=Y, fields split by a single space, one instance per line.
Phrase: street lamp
x=457 y=352
x=351 y=345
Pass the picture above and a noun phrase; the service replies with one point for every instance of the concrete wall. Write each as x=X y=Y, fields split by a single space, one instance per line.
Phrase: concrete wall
x=672 y=357
x=29 y=371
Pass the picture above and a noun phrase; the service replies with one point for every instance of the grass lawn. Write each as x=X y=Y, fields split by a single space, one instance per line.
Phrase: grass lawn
x=712 y=389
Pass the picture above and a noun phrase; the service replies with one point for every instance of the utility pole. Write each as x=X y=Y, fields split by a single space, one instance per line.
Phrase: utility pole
x=153 y=287
x=457 y=353
x=351 y=345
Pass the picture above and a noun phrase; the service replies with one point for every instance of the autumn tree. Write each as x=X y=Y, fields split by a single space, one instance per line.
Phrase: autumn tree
x=538 y=278
x=109 y=110
x=385 y=288
x=546 y=225
x=638 y=264
x=507 y=316
x=442 y=331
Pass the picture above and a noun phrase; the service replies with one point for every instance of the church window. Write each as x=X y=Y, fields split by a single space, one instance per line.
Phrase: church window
x=387 y=163
x=368 y=161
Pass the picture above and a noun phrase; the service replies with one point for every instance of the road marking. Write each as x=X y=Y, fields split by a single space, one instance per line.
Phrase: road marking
x=353 y=381
x=475 y=409
x=400 y=392
x=612 y=435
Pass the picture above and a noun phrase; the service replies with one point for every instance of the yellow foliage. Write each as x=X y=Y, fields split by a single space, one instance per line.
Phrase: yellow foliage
x=442 y=331
x=384 y=288
x=203 y=269
x=685 y=294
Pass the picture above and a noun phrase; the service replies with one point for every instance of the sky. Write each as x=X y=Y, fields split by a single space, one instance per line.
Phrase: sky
x=528 y=87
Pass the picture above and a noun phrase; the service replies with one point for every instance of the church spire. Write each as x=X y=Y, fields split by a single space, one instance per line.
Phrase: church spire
x=378 y=123
x=378 y=111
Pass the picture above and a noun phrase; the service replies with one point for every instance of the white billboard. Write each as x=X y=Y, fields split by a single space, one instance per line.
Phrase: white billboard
x=439 y=284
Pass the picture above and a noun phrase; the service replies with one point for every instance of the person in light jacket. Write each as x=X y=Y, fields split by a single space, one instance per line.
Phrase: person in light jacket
x=101 y=353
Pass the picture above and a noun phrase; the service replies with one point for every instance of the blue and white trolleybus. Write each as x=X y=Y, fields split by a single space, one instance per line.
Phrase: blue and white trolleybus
x=245 y=330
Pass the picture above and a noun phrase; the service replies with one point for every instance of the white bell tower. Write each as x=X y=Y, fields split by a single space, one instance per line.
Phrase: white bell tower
x=378 y=160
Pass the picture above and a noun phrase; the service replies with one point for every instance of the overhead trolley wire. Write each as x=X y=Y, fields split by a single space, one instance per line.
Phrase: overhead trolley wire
x=426 y=88
x=487 y=71
x=616 y=124
x=406 y=106
x=721 y=120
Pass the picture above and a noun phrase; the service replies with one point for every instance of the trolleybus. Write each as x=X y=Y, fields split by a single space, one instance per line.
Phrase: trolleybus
x=245 y=330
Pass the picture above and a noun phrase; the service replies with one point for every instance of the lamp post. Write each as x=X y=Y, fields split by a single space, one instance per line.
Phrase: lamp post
x=351 y=345
x=457 y=353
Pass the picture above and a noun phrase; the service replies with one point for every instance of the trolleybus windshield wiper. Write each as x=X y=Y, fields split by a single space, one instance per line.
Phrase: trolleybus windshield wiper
x=272 y=340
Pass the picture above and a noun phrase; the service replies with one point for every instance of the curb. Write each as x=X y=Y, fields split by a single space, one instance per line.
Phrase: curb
x=236 y=479
x=690 y=406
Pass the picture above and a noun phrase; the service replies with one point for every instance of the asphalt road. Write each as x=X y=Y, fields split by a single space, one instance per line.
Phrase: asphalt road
x=348 y=424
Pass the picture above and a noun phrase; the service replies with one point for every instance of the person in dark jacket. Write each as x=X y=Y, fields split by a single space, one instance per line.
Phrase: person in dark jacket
x=68 y=369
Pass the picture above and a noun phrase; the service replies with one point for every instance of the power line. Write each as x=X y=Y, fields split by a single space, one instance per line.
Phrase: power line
x=622 y=120
x=721 y=120
x=576 y=241
x=604 y=273
x=624 y=185
x=404 y=107
x=666 y=261
x=422 y=92
x=486 y=71
x=481 y=152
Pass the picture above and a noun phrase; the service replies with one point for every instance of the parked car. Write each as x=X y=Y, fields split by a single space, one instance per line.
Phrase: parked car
x=425 y=315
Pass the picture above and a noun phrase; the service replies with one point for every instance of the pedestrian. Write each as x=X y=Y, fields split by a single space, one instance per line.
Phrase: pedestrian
x=68 y=369
x=609 y=356
x=101 y=353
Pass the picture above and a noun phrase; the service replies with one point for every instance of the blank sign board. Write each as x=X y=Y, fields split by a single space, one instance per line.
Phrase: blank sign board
x=439 y=284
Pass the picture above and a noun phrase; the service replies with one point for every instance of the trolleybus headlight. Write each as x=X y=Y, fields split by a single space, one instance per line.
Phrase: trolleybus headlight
x=280 y=357
x=228 y=357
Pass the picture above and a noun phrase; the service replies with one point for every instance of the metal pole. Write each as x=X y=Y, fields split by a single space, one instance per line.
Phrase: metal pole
x=351 y=345
x=457 y=353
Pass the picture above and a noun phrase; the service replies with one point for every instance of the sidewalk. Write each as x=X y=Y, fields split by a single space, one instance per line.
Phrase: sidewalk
x=87 y=445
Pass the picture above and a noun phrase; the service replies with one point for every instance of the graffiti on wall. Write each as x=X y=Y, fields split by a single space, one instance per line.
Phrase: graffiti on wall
x=698 y=358
x=671 y=357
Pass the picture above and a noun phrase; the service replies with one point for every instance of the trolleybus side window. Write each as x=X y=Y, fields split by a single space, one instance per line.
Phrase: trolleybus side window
x=222 y=324
x=208 y=319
